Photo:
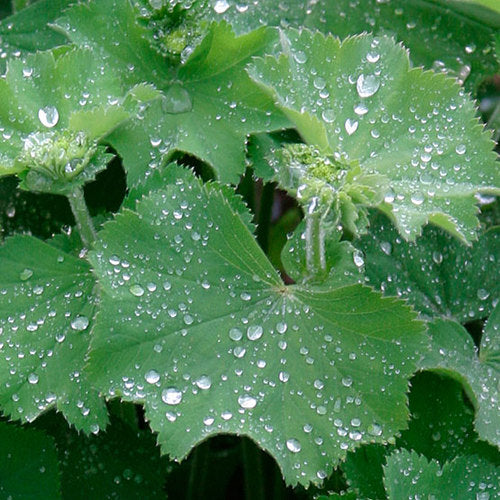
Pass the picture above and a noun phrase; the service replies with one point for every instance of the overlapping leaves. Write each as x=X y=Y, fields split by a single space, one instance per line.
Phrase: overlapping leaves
x=360 y=102
x=209 y=103
x=454 y=353
x=206 y=335
x=46 y=313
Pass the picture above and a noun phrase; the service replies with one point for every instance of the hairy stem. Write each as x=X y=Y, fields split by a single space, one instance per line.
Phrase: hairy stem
x=315 y=241
x=82 y=217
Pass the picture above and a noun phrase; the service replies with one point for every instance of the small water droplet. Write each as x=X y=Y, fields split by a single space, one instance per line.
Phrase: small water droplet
x=48 y=116
x=367 y=85
x=293 y=445
x=300 y=57
x=372 y=57
x=171 y=396
x=204 y=382
x=461 y=149
x=235 y=334
x=417 y=199
x=361 y=109
x=80 y=323
x=386 y=247
x=281 y=327
x=482 y=294
x=351 y=126
x=221 y=6
x=328 y=115
x=26 y=274
x=33 y=378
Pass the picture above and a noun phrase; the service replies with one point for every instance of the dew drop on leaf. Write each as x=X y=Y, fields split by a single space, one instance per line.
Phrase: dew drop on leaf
x=26 y=274
x=152 y=376
x=171 y=396
x=221 y=6
x=204 y=382
x=235 y=334
x=80 y=323
x=254 y=332
x=48 y=116
x=33 y=378
x=247 y=402
x=351 y=126
x=293 y=445
x=367 y=85
x=177 y=100
x=137 y=290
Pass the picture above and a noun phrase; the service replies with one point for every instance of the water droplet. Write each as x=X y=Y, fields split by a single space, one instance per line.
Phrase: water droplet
x=300 y=57
x=26 y=274
x=281 y=327
x=351 y=126
x=284 y=376
x=386 y=247
x=293 y=445
x=361 y=109
x=80 y=323
x=319 y=83
x=254 y=332
x=239 y=351
x=235 y=334
x=48 y=116
x=328 y=115
x=372 y=57
x=358 y=259
x=221 y=6
x=246 y=401
x=33 y=378
x=461 y=149
x=417 y=199
x=152 y=376
x=137 y=290
x=367 y=85
x=204 y=382
x=347 y=381
x=171 y=396
x=482 y=294
x=177 y=100
x=437 y=257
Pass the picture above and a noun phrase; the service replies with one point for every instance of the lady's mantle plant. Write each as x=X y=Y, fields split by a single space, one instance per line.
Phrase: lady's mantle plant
x=172 y=304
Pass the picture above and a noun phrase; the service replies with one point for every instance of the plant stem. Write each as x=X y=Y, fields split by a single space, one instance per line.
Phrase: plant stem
x=82 y=217
x=315 y=241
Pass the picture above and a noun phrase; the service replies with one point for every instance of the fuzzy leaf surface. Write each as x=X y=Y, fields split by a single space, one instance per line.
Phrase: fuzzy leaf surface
x=454 y=353
x=205 y=334
x=28 y=464
x=209 y=105
x=46 y=315
x=414 y=128
x=409 y=475
x=438 y=275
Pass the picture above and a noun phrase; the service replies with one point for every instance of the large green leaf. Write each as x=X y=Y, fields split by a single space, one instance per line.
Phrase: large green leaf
x=46 y=314
x=454 y=353
x=209 y=103
x=438 y=275
x=409 y=475
x=359 y=101
x=447 y=36
x=28 y=30
x=28 y=464
x=196 y=324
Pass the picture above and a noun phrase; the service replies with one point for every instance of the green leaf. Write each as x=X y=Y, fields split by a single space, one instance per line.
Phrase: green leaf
x=209 y=104
x=492 y=5
x=121 y=462
x=28 y=466
x=416 y=129
x=442 y=35
x=408 y=475
x=29 y=31
x=437 y=275
x=46 y=315
x=453 y=352
x=57 y=102
x=442 y=426
x=196 y=324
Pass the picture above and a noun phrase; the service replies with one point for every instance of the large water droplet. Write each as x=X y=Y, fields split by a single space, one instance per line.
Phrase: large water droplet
x=367 y=85
x=177 y=100
x=221 y=6
x=246 y=401
x=33 y=378
x=80 y=323
x=171 y=396
x=26 y=274
x=152 y=376
x=293 y=445
x=254 y=332
x=235 y=334
x=48 y=116
x=351 y=126
x=137 y=290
